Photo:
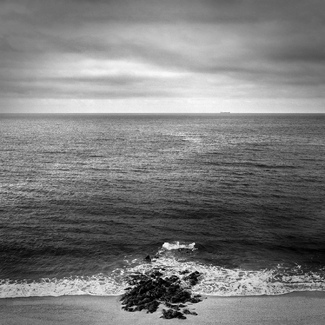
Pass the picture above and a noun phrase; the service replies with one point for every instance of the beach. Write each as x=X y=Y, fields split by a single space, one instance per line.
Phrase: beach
x=294 y=308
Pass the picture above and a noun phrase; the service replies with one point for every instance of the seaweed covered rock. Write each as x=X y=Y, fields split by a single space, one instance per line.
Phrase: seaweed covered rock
x=148 y=291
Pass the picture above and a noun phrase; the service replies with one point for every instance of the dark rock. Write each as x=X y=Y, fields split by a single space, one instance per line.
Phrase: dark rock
x=170 y=313
x=149 y=291
x=172 y=279
x=145 y=300
x=193 y=278
x=153 y=306
x=195 y=300
x=188 y=312
x=139 y=307
x=148 y=258
x=184 y=272
x=156 y=274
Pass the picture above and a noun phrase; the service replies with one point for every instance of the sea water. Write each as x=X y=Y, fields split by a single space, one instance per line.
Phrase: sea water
x=85 y=198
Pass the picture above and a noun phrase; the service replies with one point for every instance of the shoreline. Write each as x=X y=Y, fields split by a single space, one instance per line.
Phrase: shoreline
x=293 y=308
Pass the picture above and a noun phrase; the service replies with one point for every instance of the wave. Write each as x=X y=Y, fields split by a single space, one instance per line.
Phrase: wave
x=177 y=245
x=99 y=285
x=171 y=259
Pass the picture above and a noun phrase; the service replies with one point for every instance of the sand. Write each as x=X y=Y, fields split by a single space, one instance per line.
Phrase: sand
x=306 y=308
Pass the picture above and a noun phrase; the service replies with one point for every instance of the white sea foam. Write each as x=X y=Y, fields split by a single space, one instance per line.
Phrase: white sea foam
x=177 y=245
x=214 y=280
x=99 y=285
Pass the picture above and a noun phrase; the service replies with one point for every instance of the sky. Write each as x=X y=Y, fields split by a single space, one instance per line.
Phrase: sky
x=167 y=56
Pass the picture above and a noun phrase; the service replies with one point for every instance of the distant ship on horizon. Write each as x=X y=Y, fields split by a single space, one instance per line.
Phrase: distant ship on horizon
x=224 y=112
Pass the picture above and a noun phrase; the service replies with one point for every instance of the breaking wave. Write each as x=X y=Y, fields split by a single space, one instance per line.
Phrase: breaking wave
x=214 y=280
x=177 y=245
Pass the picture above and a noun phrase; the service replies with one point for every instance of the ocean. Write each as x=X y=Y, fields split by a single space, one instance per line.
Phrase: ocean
x=84 y=199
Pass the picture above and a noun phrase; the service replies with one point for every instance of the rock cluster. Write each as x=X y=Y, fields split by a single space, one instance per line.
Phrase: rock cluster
x=148 y=291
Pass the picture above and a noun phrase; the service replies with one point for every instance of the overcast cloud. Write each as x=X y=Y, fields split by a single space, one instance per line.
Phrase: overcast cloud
x=175 y=49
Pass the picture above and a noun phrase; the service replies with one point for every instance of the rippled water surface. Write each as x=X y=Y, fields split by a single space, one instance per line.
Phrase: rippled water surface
x=87 y=197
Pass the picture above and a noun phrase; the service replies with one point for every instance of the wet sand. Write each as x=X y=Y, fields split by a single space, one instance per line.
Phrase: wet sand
x=306 y=308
